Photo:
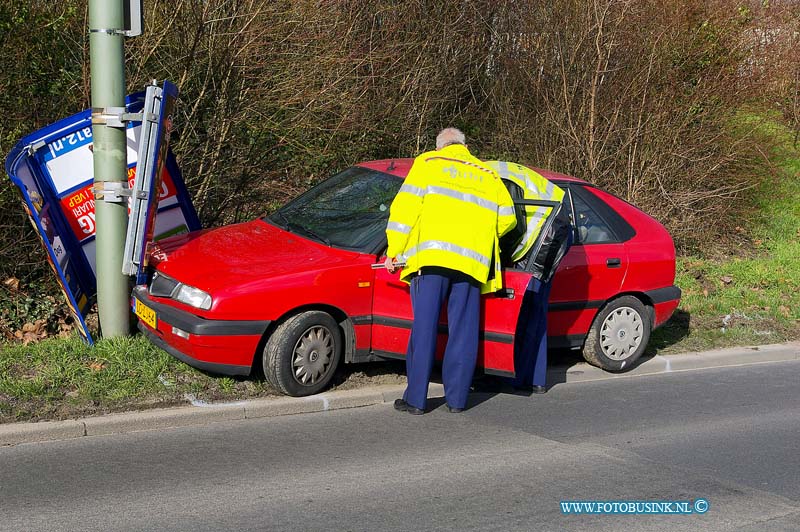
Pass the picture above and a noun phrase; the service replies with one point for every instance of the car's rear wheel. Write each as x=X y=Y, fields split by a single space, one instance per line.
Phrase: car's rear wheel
x=619 y=334
x=302 y=353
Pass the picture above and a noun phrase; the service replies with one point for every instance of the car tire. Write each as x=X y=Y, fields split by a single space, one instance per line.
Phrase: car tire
x=619 y=334
x=302 y=353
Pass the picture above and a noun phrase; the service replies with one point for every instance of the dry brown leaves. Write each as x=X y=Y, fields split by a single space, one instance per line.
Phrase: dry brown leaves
x=38 y=331
x=32 y=332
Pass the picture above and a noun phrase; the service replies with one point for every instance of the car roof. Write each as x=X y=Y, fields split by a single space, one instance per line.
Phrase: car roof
x=400 y=167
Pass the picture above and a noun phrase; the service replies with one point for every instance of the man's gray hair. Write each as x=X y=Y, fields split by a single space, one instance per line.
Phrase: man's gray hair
x=448 y=136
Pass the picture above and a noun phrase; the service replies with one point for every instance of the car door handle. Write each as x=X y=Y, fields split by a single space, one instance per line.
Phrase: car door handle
x=613 y=263
x=505 y=293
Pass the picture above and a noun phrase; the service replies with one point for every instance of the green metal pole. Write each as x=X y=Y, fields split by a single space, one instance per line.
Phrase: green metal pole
x=107 y=60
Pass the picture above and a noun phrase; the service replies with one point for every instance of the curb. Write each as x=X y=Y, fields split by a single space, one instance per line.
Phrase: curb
x=16 y=433
x=717 y=358
x=184 y=416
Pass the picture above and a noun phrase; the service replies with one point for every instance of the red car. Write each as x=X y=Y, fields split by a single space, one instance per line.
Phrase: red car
x=295 y=292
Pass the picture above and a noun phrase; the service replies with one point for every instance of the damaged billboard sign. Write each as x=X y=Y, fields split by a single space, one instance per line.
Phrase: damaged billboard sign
x=53 y=171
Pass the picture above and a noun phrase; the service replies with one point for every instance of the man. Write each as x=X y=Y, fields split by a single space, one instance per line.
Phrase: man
x=530 y=339
x=445 y=224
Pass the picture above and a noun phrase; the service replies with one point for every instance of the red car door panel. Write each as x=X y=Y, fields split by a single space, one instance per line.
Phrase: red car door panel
x=499 y=316
x=587 y=277
x=392 y=317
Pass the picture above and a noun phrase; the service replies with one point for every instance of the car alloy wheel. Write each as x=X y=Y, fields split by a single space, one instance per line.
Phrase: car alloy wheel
x=302 y=353
x=313 y=355
x=621 y=333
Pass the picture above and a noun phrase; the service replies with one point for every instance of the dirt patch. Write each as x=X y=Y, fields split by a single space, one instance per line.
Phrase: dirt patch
x=370 y=374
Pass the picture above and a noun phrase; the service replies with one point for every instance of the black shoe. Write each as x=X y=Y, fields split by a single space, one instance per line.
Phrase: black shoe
x=402 y=406
x=454 y=410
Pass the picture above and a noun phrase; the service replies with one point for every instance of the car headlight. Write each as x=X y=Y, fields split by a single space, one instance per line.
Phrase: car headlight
x=194 y=297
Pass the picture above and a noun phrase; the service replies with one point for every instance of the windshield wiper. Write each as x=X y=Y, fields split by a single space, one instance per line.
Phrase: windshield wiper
x=276 y=214
x=297 y=228
x=308 y=232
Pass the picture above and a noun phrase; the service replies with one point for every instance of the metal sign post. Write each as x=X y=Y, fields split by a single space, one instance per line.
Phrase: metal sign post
x=107 y=28
x=143 y=183
x=159 y=106
x=134 y=18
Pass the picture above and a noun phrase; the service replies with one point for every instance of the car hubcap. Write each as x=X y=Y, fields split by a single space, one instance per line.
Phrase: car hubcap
x=621 y=333
x=313 y=354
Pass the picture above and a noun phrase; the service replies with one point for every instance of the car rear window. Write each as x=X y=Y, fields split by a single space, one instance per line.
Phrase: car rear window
x=596 y=222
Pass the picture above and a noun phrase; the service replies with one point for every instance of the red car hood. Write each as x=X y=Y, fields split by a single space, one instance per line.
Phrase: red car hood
x=241 y=253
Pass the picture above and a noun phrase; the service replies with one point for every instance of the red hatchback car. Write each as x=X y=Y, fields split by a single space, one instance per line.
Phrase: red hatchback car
x=295 y=292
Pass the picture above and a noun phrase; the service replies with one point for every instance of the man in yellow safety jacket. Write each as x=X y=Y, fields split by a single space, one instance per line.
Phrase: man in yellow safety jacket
x=530 y=338
x=530 y=185
x=445 y=224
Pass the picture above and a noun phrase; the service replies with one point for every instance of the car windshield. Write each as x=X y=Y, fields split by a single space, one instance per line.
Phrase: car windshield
x=349 y=210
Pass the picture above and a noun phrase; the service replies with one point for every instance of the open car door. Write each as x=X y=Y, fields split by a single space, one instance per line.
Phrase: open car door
x=392 y=315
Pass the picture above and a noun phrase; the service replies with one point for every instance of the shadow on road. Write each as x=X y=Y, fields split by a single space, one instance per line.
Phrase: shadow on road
x=561 y=362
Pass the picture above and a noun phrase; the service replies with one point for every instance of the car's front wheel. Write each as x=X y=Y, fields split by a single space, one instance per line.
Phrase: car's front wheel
x=619 y=334
x=302 y=353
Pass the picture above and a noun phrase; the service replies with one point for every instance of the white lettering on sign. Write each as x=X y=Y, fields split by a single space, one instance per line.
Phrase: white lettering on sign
x=78 y=138
x=84 y=208
x=87 y=223
x=56 y=147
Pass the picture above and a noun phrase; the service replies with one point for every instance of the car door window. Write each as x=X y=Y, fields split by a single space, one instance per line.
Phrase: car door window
x=591 y=227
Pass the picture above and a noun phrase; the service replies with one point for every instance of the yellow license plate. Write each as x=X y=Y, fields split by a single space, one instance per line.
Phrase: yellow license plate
x=146 y=314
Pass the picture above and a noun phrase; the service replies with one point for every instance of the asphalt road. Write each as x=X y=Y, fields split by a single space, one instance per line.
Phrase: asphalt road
x=727 y=435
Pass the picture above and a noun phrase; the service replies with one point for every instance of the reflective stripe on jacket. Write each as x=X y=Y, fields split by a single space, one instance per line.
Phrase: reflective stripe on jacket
x=534 y=187
x=450 y=212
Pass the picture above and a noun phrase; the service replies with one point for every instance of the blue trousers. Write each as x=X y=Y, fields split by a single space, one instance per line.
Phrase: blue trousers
x=428 y=294
x=530 y=339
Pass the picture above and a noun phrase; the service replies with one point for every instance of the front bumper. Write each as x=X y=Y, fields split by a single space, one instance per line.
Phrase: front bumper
x=219 y=346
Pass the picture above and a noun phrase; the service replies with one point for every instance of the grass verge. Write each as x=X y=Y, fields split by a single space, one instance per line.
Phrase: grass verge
x=57 y=379
x=61 y=379
x=749 y=299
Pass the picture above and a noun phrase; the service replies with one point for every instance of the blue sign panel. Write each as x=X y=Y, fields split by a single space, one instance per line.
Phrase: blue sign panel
x=53 y=170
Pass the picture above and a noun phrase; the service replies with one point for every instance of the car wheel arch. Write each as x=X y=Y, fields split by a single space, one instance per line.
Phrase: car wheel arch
x=643 y=298
x=591 y=348
x=340 y=316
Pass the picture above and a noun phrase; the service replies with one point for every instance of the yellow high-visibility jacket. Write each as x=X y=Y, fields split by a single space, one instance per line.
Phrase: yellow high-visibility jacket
x=450 y=212
x=534 y=187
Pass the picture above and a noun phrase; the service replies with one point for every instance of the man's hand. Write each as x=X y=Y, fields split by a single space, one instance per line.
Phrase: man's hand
x=389 y=263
